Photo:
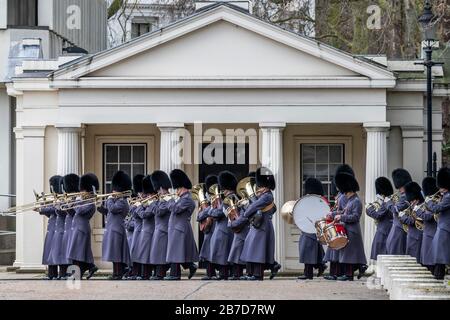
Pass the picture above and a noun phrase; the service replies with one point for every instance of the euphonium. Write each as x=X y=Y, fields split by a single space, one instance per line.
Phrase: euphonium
x=198 y=194
x=214 y=192
x=231 y=211
x=376 y=205
x=437 y=197
x=246 y=191
x=408 y=211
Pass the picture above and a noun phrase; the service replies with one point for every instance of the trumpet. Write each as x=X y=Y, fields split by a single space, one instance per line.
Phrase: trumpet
x=168 y=196
x=147 y=200
x=395 y=197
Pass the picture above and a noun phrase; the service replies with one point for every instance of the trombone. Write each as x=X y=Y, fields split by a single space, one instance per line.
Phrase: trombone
x=139 y=201
x=93 y=198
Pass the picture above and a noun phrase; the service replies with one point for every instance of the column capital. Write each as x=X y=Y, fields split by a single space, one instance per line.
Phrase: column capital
x=69 y=127
x=170 y=125
x=272 y=125
x=376 y=126
x=29 y=131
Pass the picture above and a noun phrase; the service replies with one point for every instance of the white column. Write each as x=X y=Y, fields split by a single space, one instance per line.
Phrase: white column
x=376 y=166
x=30 y=227
x=69 y=150
x=272 y=158
x=171 y=146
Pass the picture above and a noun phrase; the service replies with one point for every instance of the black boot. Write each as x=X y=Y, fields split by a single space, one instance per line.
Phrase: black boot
x=274 y=270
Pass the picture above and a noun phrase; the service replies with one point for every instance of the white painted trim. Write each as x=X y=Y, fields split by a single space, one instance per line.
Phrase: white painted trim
x=3 y=14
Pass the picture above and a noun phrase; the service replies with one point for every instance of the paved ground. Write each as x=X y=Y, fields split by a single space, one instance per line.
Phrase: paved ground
x=31 y=286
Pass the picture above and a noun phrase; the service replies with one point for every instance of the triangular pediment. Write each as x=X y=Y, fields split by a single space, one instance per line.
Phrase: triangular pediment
x=222 y=43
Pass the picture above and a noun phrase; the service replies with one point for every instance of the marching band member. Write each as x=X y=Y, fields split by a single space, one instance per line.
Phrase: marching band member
x=352 y=256
x=259 y=245
x=429 y=188
x=79 y=249
x=203 y=215
x=396 y=240
x=440 y=248
x=115 y=245
x=181 y=249
x=147 y=214
x=413 y=193
x=50 y=213
x=332 y=255
x=222 y=236
x=135 y=221
x=158 y=252
x=310 y=250
x=382 y=216
x=70 y=184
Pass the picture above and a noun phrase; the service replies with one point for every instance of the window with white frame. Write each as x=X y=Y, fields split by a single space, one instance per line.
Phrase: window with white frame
x=143 y=25
x=130 y=158
x=320 y=161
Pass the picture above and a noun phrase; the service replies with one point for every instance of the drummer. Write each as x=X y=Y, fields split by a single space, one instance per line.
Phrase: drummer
x=352 y=256
x=310 y=250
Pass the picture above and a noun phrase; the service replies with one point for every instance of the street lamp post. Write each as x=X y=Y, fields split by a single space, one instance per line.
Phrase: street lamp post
x=427 y=21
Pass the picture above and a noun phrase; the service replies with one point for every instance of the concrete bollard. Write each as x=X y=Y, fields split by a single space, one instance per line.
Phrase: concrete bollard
x=412 y=281
x=394 y=269
x=408 y=275
x=399 y=292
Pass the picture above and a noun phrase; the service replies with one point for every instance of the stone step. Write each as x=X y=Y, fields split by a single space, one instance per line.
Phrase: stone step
x=398 y=292
x=386 y=265
x=408 y=275
x=411 y=281
x=393 y=269
x=436 y=296
x=414 y=290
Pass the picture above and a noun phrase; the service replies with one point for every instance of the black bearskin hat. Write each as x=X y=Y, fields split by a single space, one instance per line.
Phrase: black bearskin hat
x=443 y=178
x=89 y=182
x=264 y=178
x=160 y=179
x=71 y=183
x=429 y=186
x=401 y=177
x=383 y=186
x=345 y=182
x=227 y=181
x=55 y=184
x=344 y=168
x=147 y=186
x=413 y=192
x=314 y=186
x=121 y=182
x=137 y=183
x=252 y=175
x=210 y=180
x=180 y=179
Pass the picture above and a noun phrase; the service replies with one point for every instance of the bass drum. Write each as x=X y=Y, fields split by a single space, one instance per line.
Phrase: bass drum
x=309 y=209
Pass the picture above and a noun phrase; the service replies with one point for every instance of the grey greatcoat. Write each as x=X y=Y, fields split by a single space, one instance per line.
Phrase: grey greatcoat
x=181 y=246
x=396 y=240
x=243 y=225
x=79 y=248
x=144 y=243
x=129 y=227
x=413 y=238
x=158 y=252
x=259 y=245
x=440 y=248
x=115 y=245
x=353 y=252
x=221 y=238
x=309 y=249
x=68 y=233
x=383 y=218
x=58 y=250
x=429 y=230
x=332 y=255
x=50 y=213
x=137 y=221
x=205 y=249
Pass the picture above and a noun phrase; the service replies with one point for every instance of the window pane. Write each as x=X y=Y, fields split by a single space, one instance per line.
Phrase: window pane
x=322 y=154
x=139 y=154
x=335 y=154
x=308 y=154
x=126 y=168
x=322 y=172
x=125 y=154
x=138 y=169
x=308 y=171
x=111 y=153
x=333 y=168
x=110 y=170
x=108 y=188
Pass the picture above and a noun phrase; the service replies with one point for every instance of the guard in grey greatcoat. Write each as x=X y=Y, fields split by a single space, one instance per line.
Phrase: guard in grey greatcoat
x=310 y=250
x=79 y=249
x=240 y=227
x=202 y=216
x=50 y=213
x=413 y=194
x=181 y=249
x=130 y=221
x=332 y=255
x=440 y=248
x=429 y=188
x=70 y=184
x=222 y=236
x=352 y=256
x=136 y=221
x=382 y=216
x=115 y=245
x=396 y=240
x=158 y=252
x=259 y=245
x=147 y=214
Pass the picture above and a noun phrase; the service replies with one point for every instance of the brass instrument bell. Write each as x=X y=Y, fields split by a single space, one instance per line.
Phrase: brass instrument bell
x=198 y=194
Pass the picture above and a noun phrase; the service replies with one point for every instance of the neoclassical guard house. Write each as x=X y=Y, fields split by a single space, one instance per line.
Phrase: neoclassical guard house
x=309 y=106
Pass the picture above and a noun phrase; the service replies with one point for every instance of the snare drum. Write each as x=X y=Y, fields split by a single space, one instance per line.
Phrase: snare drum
x=320 y=227
x=336 y=236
